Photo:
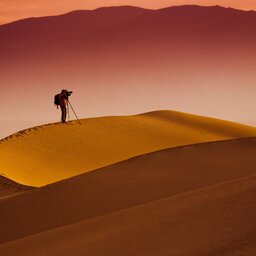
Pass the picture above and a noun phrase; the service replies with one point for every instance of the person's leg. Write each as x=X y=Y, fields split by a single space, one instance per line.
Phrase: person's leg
x=63 y=114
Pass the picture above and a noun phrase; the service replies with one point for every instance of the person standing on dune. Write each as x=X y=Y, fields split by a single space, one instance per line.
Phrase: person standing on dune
x=63 y=101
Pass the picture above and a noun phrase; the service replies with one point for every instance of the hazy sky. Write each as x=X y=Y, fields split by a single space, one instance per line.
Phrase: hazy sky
x=11 y=10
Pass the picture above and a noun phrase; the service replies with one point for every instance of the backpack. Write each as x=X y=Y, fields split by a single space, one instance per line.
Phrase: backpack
x=57 y=99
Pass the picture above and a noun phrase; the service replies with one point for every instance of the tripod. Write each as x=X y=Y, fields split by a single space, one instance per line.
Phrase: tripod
x=69 y=104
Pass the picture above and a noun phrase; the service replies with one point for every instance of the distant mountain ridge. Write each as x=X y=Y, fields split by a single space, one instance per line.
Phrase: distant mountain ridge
x=79 y=23
x=118 y=31
x=35 y=30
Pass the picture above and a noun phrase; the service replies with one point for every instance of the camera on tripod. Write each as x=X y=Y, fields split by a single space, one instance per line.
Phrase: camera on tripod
x=69 y=93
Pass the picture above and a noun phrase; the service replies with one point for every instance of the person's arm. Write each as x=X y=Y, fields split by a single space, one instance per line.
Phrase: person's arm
x=66 y=100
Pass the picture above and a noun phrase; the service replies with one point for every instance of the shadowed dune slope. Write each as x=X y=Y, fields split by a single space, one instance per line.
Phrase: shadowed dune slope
x=9 y=187
x=245 y=248
x=200 y=223
x=126 y=184
x=46 y=154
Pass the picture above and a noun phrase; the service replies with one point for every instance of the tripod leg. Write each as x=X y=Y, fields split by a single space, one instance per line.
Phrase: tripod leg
x=74 y=113
x=68 y=112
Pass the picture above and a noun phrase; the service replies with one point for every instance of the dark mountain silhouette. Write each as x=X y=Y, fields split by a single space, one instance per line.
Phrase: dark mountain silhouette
x=37 y=30
x=130 y=23
x=121 y=30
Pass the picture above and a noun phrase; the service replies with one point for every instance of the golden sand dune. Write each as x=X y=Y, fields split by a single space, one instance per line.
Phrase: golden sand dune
x=202 y=222
x=43 y=155
x=131 y=183
x=9 y=187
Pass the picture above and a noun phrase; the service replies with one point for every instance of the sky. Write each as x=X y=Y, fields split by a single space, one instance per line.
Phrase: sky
x=11 y=10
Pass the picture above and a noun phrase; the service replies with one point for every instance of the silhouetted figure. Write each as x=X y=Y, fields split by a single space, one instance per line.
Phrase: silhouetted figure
x=63 y=101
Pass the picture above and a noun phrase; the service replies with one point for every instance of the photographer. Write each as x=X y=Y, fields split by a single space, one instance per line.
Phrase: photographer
x=63 y=101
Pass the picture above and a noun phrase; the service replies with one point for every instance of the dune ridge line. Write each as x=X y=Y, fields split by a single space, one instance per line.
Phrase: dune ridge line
x=73 y=149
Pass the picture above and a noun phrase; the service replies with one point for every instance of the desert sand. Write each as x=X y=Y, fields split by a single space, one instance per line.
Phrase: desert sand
x=189 y=200
x=49 y=153
x=9 y=187
x=203 y=222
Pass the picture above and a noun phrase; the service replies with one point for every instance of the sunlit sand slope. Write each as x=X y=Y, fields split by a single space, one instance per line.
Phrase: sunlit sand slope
x=9 y=187
x=202 y=222
x=46 y=154
x=126 y=184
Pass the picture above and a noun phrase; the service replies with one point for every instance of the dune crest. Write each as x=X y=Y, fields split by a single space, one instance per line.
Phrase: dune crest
x=46 y=154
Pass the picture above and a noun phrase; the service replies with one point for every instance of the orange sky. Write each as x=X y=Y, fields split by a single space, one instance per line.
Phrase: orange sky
x=11 y=10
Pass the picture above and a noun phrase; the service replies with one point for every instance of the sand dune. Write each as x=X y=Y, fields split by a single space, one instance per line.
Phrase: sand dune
x=9 y=187
x=53 y=152
x=199 y=223
x=245 y=248
x=130 y=183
